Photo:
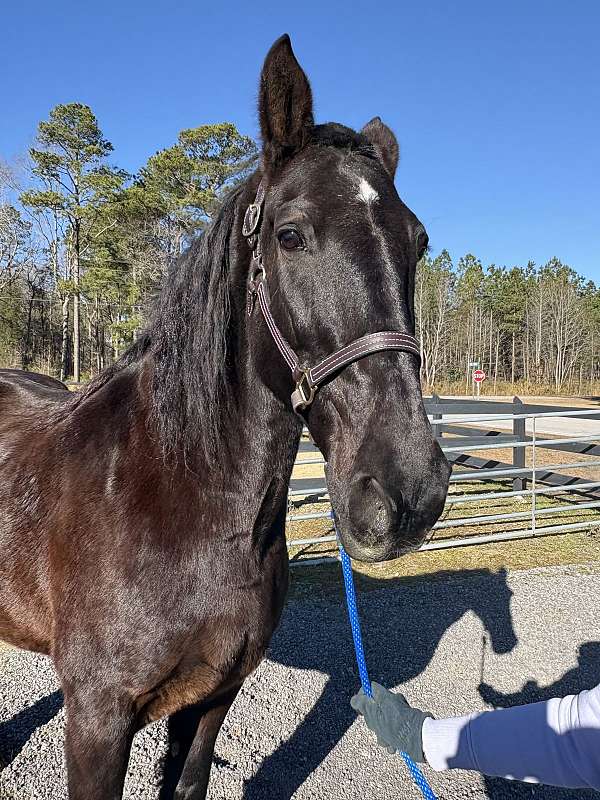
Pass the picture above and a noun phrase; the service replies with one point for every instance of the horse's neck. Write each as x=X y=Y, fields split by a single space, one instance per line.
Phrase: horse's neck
x=265 y=435
x=259 y=437
x=261 y=440
x=262 y=436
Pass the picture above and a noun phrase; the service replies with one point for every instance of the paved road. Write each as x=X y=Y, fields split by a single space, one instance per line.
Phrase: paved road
x=291 y=733
x=561 y=426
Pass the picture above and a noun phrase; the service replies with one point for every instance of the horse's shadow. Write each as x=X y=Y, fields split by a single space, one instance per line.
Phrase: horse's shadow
x=584 y=676
x=16 y=731
x=402 y=632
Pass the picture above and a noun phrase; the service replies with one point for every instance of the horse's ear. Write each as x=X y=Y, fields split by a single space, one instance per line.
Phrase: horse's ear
x=284 y=105
x=385 y=143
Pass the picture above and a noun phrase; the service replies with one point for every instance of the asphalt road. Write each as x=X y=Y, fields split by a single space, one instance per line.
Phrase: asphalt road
x=561 y=426
x=291 y=733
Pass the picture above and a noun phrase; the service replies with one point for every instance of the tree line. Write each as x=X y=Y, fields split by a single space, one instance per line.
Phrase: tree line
x=537 y=328
x=84 y=245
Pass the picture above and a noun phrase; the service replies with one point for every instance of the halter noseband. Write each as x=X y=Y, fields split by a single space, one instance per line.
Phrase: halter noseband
x=308 y=379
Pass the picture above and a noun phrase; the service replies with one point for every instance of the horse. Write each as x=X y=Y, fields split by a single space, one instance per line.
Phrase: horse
x=142 y=518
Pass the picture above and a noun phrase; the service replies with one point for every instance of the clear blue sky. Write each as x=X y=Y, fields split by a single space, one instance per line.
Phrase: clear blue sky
x=496 y=105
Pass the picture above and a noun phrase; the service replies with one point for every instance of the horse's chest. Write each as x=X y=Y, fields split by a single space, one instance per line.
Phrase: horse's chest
x=224 y=641
x=217 y=658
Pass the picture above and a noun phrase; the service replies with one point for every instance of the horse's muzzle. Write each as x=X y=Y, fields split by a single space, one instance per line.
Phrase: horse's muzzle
x=382 y=517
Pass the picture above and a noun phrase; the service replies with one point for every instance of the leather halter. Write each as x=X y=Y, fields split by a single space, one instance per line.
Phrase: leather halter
x=308 y=379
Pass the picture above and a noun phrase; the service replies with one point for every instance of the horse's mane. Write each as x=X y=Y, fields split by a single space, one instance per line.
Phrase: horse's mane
x=189 y=341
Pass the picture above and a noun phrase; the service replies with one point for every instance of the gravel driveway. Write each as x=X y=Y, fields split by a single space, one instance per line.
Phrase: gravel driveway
x=291 y=732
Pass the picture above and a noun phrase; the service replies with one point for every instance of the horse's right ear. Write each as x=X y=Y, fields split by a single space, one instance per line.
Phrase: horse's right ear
x=284 y=105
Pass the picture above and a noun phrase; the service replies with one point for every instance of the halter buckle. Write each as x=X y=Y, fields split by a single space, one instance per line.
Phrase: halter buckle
x=305 y=390
x=252 y=286
x=251 y=219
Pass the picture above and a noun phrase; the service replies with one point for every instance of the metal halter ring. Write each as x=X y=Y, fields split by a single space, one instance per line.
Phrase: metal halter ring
x=251 y=219
x=307 y=393
x=258 y=273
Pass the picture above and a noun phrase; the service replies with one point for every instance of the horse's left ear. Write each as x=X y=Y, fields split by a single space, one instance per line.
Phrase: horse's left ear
x=285 y=104
x=385 y=143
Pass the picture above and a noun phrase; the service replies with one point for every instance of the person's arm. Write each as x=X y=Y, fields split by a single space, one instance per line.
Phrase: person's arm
x=555 y=742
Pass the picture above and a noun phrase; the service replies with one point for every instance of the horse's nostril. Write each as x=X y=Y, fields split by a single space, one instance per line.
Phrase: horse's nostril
x=385 y=499
x=372 y=510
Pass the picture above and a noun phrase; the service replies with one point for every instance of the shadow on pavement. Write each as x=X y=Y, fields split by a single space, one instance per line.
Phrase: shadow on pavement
x=16 y=731
x=400 y=642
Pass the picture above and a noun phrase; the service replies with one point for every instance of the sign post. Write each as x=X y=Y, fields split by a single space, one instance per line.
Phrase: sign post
x=474 y=365
x=478 y=378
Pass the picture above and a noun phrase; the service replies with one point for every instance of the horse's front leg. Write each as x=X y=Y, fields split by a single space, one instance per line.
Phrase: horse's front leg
x=99 y=732
x=182 y=727
x=191 y=755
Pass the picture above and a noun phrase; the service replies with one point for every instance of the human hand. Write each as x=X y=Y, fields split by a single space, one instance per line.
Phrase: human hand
x=397 y=725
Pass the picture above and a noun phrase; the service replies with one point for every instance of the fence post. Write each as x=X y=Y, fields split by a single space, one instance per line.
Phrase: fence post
x=519 y=481
x=438 y=429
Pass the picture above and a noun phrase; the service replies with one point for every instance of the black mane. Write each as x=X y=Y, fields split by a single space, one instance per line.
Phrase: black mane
x=188 y=337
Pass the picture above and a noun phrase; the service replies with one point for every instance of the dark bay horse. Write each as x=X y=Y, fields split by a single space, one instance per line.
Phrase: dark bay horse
x=142 y=519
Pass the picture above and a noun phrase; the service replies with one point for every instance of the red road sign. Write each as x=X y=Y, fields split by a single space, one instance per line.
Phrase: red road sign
x=479 y=375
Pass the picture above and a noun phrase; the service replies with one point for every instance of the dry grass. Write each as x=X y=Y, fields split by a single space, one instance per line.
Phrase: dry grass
x=521 y=388
x=581 y=549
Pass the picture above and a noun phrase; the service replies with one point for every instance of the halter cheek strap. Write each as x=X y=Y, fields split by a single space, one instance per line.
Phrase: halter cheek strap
x=308 y=379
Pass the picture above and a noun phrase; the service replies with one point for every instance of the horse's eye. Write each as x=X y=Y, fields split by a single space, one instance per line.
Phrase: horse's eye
x=290 y=239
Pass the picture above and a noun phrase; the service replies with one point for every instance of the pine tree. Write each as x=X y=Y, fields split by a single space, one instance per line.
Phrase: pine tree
x=75 y=184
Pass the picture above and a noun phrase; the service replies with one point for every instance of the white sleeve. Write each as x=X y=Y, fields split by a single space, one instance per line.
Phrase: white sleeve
x=555 y=742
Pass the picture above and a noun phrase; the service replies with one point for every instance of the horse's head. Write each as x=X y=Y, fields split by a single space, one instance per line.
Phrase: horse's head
x=339 y=250
x=490 y=600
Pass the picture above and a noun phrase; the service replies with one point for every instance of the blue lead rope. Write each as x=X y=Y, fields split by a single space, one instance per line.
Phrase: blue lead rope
x=414 y=770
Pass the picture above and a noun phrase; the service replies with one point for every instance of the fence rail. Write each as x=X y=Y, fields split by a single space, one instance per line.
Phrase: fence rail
x=460 y=431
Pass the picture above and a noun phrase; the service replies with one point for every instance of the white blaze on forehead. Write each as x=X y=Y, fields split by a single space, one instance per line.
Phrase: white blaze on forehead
x=366 y=192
